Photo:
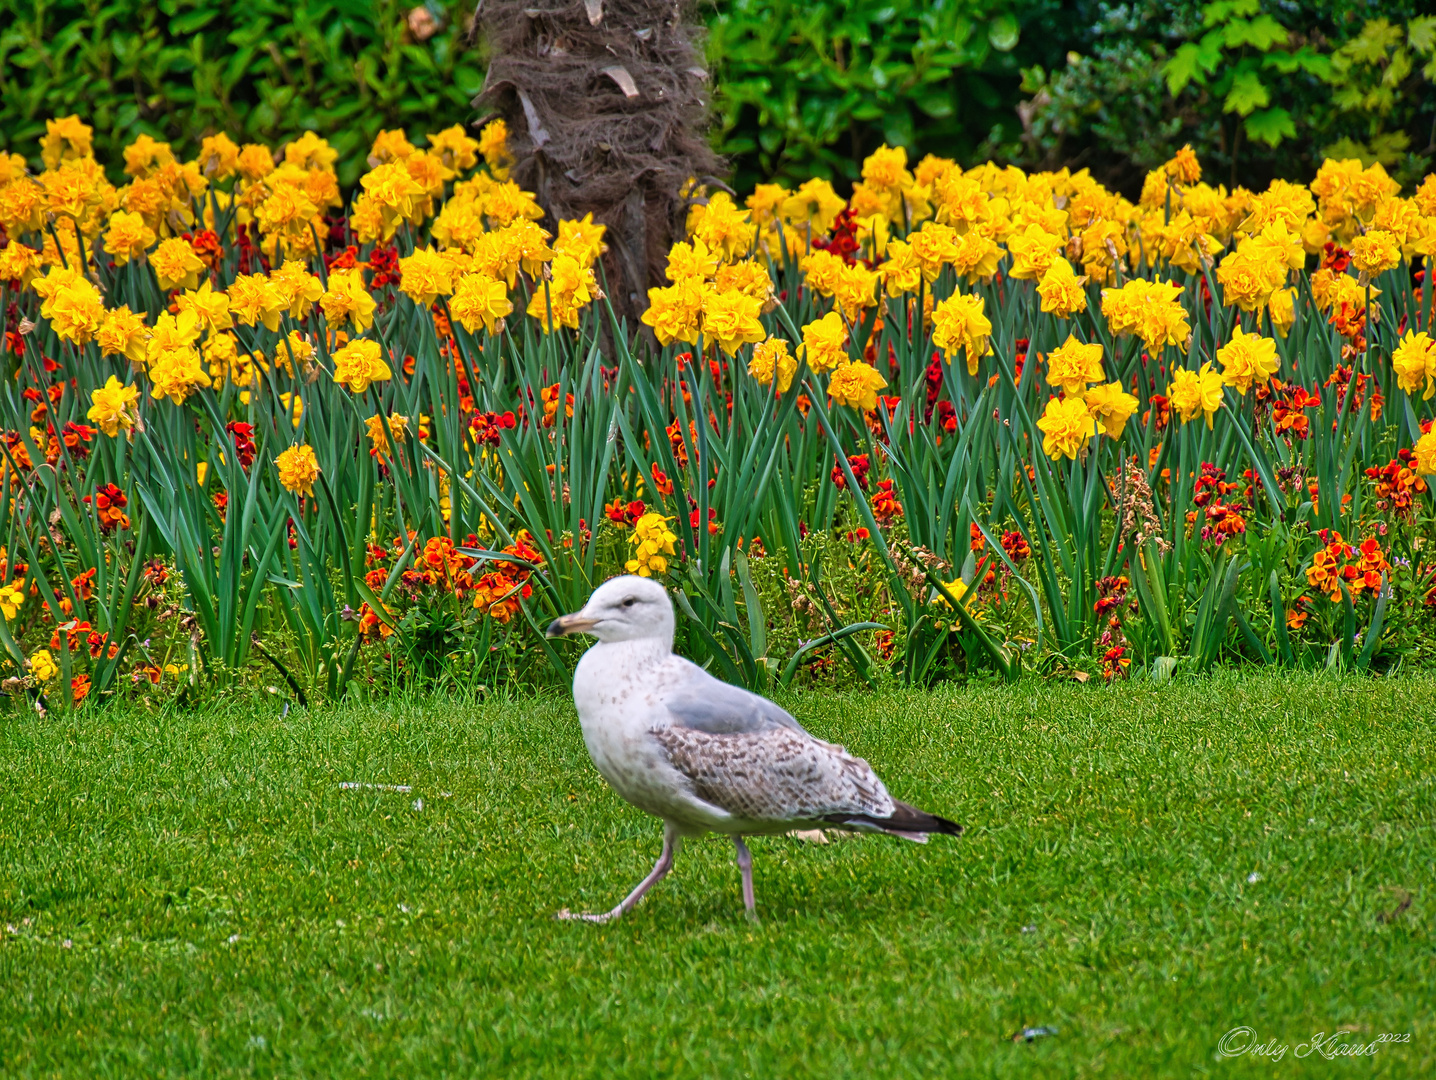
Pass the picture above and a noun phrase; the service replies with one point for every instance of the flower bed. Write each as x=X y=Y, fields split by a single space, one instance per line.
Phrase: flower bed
x=967 y=420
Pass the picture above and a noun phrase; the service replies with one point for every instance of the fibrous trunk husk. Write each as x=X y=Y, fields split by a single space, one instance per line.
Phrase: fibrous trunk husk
x=606 y=106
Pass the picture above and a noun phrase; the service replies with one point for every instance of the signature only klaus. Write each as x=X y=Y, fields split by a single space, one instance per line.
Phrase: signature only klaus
x=1243 y=1041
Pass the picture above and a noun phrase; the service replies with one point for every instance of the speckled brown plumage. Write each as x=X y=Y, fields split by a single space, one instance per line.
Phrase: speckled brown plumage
x=778 y=775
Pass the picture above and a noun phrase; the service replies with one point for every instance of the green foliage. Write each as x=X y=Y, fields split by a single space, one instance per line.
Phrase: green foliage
x=807 y=89
x=1271 y=126
x=1375 y=82
x=1230 y=58
x=1259 y=90
x=800 y=89
x=262 y=72
x=1230 y=29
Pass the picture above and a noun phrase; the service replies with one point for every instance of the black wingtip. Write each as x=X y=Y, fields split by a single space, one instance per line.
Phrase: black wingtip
x=904 y=819
x=943 y=826
x=908 y=818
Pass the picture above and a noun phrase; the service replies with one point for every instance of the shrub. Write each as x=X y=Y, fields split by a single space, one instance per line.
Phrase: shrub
x=1256 y=93
x=800 y=89
x=263 y=72
x=808 y=89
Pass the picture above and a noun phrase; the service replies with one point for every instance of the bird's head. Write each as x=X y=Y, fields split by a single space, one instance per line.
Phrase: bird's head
x=621 y=609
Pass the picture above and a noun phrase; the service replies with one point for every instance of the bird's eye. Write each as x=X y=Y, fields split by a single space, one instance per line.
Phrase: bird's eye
x=630 y=601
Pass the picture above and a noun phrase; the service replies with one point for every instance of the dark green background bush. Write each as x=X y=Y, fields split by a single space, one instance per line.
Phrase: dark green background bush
x=800 y=88
x=1108 y=105
x=811 y=88
x=260 y=70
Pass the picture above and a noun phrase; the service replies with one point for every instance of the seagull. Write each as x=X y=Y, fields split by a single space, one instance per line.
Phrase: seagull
x=703 y=755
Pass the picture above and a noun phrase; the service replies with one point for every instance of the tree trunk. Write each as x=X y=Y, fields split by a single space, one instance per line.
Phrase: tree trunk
x=606 y=106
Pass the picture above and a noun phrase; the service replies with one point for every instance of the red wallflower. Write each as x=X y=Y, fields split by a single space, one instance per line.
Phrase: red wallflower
x=859 y=464
x=660 y=480
x=243 y=436
x=110 y=502
x=886 y=507
x=625 y=513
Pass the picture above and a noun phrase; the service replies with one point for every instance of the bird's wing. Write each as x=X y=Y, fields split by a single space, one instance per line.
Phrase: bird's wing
x=703 y=703
x=776 y=773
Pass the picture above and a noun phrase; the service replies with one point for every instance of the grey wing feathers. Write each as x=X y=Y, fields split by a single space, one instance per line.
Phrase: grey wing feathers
x=718 y=708
x=778 y=775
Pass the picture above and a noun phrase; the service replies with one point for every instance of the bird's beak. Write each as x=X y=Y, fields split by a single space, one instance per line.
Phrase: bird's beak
x=577 y=623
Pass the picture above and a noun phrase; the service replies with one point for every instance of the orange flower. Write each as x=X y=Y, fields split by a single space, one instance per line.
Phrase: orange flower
x=109 y=502
x=1338 y=563
x=660 y=480
x=549 y=395
x=499 y=593
x=371 y=627
x=886 y=507
x=79 y=688
x=1398 y=483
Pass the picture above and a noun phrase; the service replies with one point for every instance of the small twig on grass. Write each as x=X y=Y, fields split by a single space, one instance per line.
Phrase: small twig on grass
x=1402 y=905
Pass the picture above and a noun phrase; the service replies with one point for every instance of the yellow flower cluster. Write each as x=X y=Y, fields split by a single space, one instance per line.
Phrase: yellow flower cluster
x=427 y=275
x=359 y=364
x=773 y=364
x=1425 y=453
x=1062 y=229
x=347 y=299
x=934 y=239
x=398 y=429
x=715 y=291
x=1247 y=360
x=172 y=358
x=43 y=666
x=404 y=181
x=652 y=541
x=1083 y=411
x=113 y=406
x=480 y=300
x=825 y=341
x=1414 y=361
x=1073 y=365
x=71 y=303
x=1066 y=427
x=1258 y=267
x=485 y=235
x=12 y=599
x=298 y=469
x=856 y=384
x=960 y=322
x=1375 y=252
x=567 y=288
x=1196 y=393
x=825 y=350
x=1062 y=290
x=1149 y=309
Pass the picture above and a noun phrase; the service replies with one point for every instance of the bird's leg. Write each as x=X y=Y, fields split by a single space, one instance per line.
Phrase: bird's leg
x=745 y=866
x=671 y=843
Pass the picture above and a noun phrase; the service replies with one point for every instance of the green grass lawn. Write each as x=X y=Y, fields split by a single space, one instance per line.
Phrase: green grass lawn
x=1144 y=869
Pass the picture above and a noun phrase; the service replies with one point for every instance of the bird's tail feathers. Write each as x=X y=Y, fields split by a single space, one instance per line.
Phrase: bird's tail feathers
x=907 y=822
